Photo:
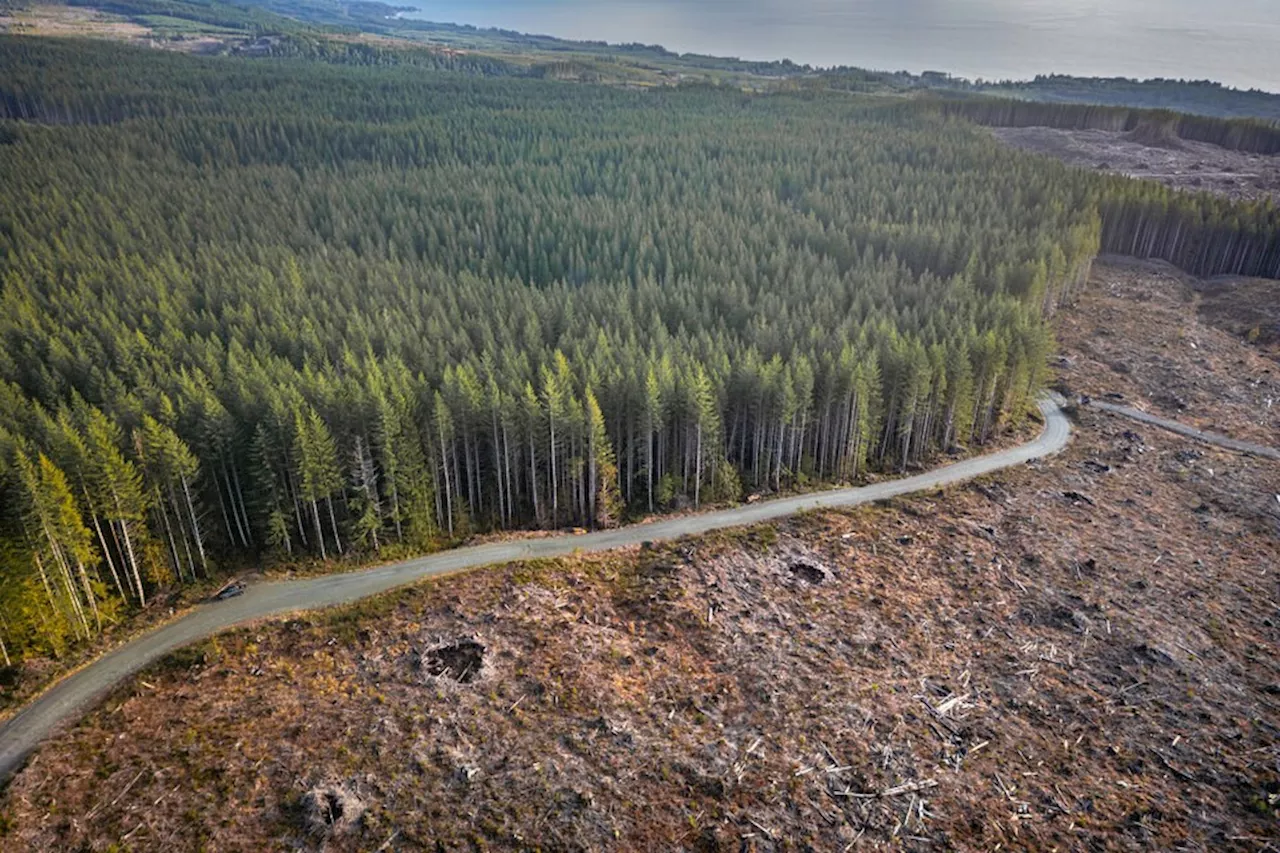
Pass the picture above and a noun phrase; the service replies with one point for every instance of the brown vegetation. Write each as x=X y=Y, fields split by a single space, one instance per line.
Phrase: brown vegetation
x=1247 y=307
x=1075 y=654
x=56 y=20
x=1153 y=153
x=1145 y=331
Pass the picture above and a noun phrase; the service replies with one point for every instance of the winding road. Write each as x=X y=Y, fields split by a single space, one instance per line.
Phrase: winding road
x=67 y=699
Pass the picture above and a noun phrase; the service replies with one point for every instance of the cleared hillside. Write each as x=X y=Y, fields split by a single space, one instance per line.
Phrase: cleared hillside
x=1067 y=655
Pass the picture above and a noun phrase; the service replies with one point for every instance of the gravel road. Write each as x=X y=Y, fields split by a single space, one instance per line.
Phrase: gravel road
x=1191 y=432
x=69 y=698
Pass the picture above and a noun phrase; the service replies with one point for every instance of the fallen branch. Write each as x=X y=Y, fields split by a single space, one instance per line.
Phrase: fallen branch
x=119 y=796
x=908 y=788
x=767 y=832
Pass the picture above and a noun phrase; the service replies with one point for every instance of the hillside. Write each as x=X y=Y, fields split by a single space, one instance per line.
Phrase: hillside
x=1066 y=655
x=1186 y=165
x=301 y=306
x=373 y=32
x=304 y=286
x=289 y=309
x=1202 y=97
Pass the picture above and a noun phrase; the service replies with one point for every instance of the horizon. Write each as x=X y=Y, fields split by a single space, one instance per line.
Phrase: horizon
x=989 y=40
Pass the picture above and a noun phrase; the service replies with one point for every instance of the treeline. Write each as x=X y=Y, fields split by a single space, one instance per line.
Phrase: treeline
x=1198 y=233
x=320 y=48
x=1202 y=97
x=1251 y=135
x=42 y=80
x=287 y=309
x=213 y=12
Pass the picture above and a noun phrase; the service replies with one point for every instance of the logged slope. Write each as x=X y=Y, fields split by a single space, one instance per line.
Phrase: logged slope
x=22 y=734
x=1213 y=438
x=1026 y=668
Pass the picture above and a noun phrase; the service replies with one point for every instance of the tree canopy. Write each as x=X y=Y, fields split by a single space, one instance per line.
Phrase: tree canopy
x=275 y=306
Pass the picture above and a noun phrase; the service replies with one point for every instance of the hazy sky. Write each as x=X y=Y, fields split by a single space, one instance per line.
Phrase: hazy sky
x=1233 y=41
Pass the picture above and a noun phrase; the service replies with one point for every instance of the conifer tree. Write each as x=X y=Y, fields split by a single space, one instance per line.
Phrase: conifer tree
x=602 y=479
x=121 y=494
x=319 y=476
x=61 y=545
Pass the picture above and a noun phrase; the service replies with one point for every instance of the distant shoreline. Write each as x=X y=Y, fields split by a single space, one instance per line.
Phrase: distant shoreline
x=830 y=40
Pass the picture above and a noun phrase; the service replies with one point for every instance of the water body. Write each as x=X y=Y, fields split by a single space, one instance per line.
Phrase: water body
x=1236 y=42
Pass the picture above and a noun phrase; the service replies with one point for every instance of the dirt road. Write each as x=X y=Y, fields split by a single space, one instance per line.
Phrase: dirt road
x=62 y=703
x=1191 y=432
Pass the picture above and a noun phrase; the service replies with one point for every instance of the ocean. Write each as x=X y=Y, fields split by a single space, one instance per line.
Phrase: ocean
x=1236 y=42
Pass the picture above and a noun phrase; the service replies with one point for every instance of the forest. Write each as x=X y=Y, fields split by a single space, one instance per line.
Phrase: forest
x=1196 y=97
x=1239 y=134
x=285 y=309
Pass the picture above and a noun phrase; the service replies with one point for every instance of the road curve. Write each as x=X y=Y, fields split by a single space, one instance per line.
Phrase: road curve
x=1213 y=438
x=63 y=702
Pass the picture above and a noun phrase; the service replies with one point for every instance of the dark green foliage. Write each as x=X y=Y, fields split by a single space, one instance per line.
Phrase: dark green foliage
x=1201 y=97
x=274 y=306
x=342 y=52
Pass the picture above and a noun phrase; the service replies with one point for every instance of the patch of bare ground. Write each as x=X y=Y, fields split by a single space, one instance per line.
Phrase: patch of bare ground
x=1143 y=331
x=1076 y=654
x=1178 y=163
x=88 y=22
x=56 y=20
x=1246 y=307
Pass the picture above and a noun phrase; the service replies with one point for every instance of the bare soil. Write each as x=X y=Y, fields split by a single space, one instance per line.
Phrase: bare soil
x=56 y=20
x=1246 y=307
x=1178 y=163
x=1078 y=654
x=1161 y=340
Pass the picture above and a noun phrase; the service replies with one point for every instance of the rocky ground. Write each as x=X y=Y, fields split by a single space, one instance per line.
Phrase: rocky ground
x=1076 y=654
x=1181 y=164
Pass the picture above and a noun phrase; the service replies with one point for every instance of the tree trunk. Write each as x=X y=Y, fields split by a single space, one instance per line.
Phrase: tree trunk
x=555 y=486
x=782 y=435
x=631 y=457
x=497 y=471
x=69 y=584
x=195 y=526
x=697 y=477
x=44 y=579
x=239 y=499
x=395 y=507
x=533 y=477
x=448 y=492
x=230 y=497
x=106 y=553
x=649 y=465
x=506 y=472
x=88 y=594
x=226 y=518
x=182 y=533
x=315 y=516
x=333 y=523
x=173 y=544
x=128 y=545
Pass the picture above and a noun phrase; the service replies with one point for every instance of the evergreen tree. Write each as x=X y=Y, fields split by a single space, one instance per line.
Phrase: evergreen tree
x=319 y=477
